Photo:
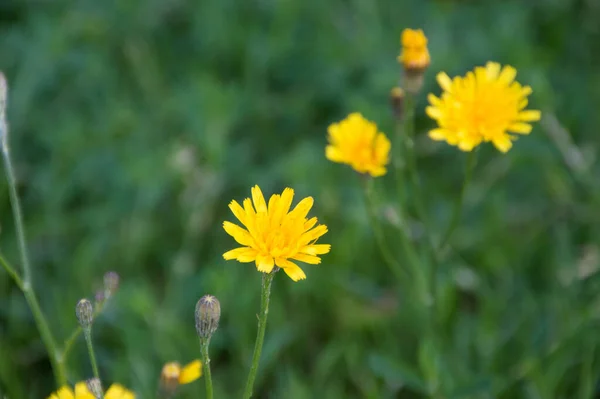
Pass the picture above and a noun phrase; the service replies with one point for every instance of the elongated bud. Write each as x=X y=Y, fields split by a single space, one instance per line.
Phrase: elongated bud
x=95 y=387
x=397 y=101
x=208 y=313
x=111 y=284
x=85 y=313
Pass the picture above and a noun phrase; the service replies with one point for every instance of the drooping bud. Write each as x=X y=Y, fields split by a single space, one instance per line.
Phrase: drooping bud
x=95 y=387
x=208 y=313
x=111 y=284
x=85 y=313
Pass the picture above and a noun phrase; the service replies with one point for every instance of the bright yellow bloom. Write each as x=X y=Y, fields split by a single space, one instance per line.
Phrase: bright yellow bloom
x=274 y=234
x=355 y=141
x=485 y=105
x=115 y=391
x=414 y=56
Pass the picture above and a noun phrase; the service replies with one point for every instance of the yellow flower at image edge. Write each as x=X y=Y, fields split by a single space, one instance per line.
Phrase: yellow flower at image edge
x=355 y=141
x=115 y=391
x=415 y=55
x=274 y=234
x=485 y=105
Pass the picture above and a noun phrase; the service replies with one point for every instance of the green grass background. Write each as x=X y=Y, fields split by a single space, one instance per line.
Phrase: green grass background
x=134 y=123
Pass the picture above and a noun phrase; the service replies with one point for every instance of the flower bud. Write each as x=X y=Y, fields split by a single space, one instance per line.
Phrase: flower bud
x=208 y=313
x=169 y=378
x=111 y=284
x=95 y=387
x=85 y=313
x=414 y=58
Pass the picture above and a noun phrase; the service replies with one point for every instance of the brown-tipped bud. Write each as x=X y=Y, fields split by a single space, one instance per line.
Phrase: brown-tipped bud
x=397 y=101
x=111 y=284
x=169 y=378
x=208 y=313
x=85 y=313
x=95 y=387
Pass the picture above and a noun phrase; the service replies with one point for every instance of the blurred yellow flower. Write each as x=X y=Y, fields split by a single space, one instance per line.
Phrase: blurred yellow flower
x=172 y=372
x=414 y=55
x=274 y=234
x=485 y=105
x=115 y=391
x=355 y=141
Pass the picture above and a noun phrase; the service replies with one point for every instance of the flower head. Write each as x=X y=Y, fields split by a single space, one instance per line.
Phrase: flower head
x=485 y=105
x=115 y=391
x=274 y=234
x=415 y=55
x=173 y=374
x=208 y=313
x=355 y=141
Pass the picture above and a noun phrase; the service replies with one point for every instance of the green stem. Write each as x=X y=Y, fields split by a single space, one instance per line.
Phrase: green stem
x=11 y=272
x=458 y=204
x=26 y=284
x=87 y=333
x=388 y=257
x=204 y=343
x=262 y=323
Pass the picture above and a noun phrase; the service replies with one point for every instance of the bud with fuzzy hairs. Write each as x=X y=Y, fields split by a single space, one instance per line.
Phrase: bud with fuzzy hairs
x=95 y=387
x=208 y=313
x=85 y=313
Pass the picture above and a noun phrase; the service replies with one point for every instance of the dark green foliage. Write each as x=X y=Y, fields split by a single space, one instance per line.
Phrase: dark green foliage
x=134 y=123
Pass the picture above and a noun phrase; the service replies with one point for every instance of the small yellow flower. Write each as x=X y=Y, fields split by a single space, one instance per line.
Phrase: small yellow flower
x=485 y=105
x=274 y=234
x=115 y=391
x=355 y=141
x=174 y=375
x=414 y=56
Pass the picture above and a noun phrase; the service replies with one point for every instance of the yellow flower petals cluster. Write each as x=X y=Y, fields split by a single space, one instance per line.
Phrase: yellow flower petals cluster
x=172 y=372
x=273 y=234
x=115 y=391
x=485 y=105
x=355 y=141
x=414 y=55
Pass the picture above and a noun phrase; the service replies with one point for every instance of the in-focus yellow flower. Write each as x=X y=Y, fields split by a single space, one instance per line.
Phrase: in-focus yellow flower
x=115 y=391
x=485 y=105
x=355 y=141
x=414 y=55
x=274 y=234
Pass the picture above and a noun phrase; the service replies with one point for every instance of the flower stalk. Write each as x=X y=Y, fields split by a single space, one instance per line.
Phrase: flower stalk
x=267 y=279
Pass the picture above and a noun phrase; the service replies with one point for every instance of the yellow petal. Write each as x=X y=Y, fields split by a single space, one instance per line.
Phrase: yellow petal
x=444 y=81
x=530 y=115
x=238 y=211
x=82 y=391
x=190 y=372
x=310 y=259
x=310 y=223
x=258 y=199
x=302 y=208
x=291 y=269
x=502 y=143
x=521 y=128
x=433 y=112
x=63 y=393
x=312 y=235
x=242 y=236
x=264 y=263
x=316 y=249
x=234 y=253
x=437 y=134
x=508 y=74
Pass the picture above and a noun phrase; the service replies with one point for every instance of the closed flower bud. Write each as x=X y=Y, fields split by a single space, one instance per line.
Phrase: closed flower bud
x=111 y=284
x=95 y=387
x=208 y=313
x=85 y=313
x=397 y=101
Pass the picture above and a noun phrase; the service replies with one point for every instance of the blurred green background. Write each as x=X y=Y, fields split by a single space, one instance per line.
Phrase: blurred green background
x=134 y=123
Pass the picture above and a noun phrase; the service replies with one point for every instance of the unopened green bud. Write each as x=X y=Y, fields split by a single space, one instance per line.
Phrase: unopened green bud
x=208 y=313
x=85 y=313
x=95 y=387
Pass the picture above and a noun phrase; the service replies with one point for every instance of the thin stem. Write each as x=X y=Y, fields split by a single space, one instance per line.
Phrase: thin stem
x=26 y=283
x=262 y=323
x=204 y=344
x=11 y=272
x=458 y=204
x=87 y=333
x=388 y=257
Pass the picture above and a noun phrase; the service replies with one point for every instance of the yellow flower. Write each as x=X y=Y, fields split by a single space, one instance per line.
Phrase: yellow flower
x=115 y=391
x=173 y=375
x=414 y=56
x=355 y=141
x=274 y=234
x=485 y=105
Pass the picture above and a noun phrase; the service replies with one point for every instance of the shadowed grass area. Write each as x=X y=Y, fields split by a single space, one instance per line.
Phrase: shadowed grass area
x=134 y=123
